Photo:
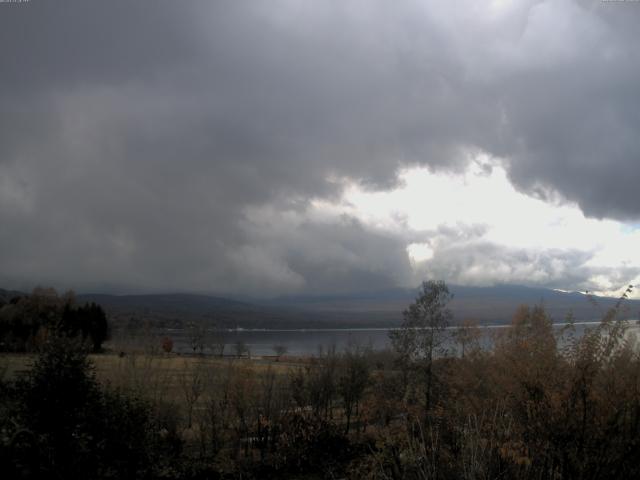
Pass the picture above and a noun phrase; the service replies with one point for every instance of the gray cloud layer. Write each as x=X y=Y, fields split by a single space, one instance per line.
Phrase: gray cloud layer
x=136 y=136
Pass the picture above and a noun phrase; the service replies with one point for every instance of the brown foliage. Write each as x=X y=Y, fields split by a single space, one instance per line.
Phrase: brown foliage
x=541 y=403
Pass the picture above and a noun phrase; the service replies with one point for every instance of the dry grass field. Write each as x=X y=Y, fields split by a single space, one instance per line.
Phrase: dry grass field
x=184 y=381
x=116 y=369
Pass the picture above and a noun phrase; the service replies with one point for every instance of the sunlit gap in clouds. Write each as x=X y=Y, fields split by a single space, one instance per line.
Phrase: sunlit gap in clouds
x=439 y=211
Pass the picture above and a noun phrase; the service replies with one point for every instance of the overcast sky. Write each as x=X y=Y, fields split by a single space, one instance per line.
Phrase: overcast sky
x=291 y=146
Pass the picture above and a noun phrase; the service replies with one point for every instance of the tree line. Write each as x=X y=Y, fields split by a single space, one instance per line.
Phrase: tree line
x=26 y=321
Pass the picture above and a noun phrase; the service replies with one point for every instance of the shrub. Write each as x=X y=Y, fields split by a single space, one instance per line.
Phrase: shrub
x=67 y=426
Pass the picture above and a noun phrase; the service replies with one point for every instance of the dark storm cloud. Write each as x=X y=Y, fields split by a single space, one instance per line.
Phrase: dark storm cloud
x=135 y=136
x=575 y=112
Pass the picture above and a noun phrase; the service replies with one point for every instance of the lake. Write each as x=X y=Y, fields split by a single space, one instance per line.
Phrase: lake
x=310 y=341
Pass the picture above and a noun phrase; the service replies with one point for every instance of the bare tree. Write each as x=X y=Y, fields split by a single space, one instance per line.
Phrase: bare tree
x=217 y=341
x=192 y=383
x=197 y=337
x=353 y=380
x=467 y=335
x=217 y=414
x=241 y=348
x=422 y=334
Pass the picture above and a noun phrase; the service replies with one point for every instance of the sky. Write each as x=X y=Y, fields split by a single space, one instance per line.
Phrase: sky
x=297 y=146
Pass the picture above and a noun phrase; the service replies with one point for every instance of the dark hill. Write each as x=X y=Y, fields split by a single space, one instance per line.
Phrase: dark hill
x=365 y=309
x=485 y=304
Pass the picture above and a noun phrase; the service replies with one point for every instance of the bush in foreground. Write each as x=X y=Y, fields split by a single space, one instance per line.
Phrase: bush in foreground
x=62 y=424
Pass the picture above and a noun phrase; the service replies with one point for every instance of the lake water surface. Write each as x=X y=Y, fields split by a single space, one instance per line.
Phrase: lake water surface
x=310 y=341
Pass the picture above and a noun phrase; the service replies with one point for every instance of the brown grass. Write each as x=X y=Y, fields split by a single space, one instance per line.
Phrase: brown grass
x=132 y=369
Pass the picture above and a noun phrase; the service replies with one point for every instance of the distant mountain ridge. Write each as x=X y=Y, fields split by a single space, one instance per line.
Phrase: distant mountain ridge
x=495 y=304
x=383 y=308
x=178 y=301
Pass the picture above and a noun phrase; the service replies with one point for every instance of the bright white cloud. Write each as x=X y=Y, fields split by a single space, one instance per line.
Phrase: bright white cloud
x=419 y=252
x=440 y=212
